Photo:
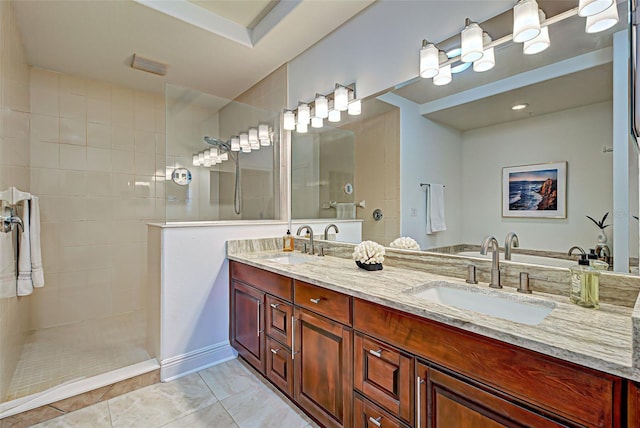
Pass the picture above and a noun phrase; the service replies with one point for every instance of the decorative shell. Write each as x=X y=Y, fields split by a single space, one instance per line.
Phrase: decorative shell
x=405 y=243
x=368 y=252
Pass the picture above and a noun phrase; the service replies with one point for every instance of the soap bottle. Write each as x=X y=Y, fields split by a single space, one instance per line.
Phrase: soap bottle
x=287 y=241
x=585 y=282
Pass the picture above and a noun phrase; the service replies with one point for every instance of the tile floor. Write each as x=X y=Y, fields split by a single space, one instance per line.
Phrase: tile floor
x=56 y=355
x=226 y=395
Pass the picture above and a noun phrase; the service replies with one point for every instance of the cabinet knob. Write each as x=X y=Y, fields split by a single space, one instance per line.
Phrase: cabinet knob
x=316 y=301
x=376 y=421
x=377 y=353
x=275 y=351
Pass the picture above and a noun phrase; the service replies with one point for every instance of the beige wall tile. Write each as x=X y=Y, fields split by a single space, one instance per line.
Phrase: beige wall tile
x=45 y=128
x=73 y=106
x=99 y=110
x=73 y=157
x=98 y=159
x=122 y=162
x=44 y=155
x=99 y=135
x=72 y=183
x=122 y=138
x=45 y=92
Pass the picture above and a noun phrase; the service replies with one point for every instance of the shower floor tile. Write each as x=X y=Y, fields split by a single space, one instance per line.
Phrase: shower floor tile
x=56 y=355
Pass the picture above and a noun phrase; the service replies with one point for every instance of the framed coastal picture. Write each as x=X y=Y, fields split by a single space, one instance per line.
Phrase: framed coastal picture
x=535 y=191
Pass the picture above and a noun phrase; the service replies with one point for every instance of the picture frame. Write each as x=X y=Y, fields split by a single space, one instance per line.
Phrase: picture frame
x=535 y=191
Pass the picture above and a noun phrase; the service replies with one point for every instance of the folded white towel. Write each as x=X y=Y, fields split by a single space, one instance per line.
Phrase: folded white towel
x=435 y=209
x=25 y=283
x=37 y=273
x=30 y=272
x=346 y=210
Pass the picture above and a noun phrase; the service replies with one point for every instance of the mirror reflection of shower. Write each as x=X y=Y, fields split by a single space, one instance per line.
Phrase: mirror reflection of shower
x=221 y=151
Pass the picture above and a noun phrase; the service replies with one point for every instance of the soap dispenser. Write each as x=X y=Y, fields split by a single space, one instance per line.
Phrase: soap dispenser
x=287 y=241
x=585 y=281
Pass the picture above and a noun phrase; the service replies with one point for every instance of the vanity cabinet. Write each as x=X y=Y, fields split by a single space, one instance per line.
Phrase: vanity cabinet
x=247 y=324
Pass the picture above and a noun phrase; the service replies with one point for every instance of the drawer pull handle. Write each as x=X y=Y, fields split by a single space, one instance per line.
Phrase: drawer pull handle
x=377 y=353
x=275 y=305
x=316 y=301
x=376 y=421
x=275 y=351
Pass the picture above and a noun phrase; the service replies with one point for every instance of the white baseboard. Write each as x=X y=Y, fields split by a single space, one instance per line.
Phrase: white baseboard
x=194 y=361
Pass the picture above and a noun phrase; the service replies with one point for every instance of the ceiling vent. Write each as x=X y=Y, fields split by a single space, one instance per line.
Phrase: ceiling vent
x=149 y=65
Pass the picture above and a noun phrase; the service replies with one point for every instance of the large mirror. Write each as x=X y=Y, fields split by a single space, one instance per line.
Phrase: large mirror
x=466 y=136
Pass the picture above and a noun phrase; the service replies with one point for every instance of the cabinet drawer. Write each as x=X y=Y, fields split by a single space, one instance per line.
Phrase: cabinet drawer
x=279 y=366
x=270 y=282
x=384 y=375
x=368 y=415
x=332 y=304
x=278 y=323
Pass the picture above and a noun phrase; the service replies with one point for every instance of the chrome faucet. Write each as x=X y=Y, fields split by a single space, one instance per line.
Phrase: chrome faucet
x=495 y=259
x=510 y=242
x=310 y=231
x=326 y=230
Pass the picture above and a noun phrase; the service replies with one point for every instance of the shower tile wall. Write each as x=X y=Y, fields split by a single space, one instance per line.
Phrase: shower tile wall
x=377 y=171
x=14 y=171
x=97 y=163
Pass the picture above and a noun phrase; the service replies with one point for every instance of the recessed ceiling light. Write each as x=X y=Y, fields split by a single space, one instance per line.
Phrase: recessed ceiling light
x=520 y=106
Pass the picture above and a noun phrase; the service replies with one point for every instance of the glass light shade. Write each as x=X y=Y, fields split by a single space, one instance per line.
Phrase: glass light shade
x=429 y=63
x=207 y=163
x=196 y=161
x=444 y=76
x=302 y=128
x=235 y=144
x=246 y=149
x=322 y=107
x=471 y=36
x=265 y=142
x=593 y=7
x=316 y=122
x=289 y=123
x=213 y=152
x=263 y=131
x=460 y=66
x=602 y=21
x=206 y=154
x=334 y=116
x=244 y=140
x=537 y=44
x=253 y=135
x=224 y=157
x=201 y=158
x=255 y=146
x=341 y=98
x=486 y=63
x=304 y=114
x=355 y=108
x=526 y=22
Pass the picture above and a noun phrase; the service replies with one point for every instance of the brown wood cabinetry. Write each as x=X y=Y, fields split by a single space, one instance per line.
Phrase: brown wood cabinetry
x=323 y=375
x=325 y=302
x=279 y=365
x=368 y=415
x=247 y=323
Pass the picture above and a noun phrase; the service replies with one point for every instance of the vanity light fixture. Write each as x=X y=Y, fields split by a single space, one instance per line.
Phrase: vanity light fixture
x=429 y=62
x=244 y=140
x=334 y=115
x=235 y=144
x=541 y=41
x=246 y=149
x=444 y=75
x=263 y=134
x=488 y=60
x=355 y=108
x=201 y=157
x=289 y=121
x=341 y=98
x=196 y=161
x=321 y=107
x=603 y=20
x=593 y=7
x=302 y=128
x=471 y=42
x=519 y=107
x=253 y=136
x=526 y=21
x=304 y=114
x=461 y=66
x=316 y=122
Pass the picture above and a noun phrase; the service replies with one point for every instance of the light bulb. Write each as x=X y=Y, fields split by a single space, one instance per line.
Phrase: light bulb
x=289 y=122
x=355 y=108
x=429 y=63
x=602 y=21
x=334 y=116
x=471 y=37
x=593 y=7
x=341 y=98
x=302 y=128
x=235 y=144
x=253 y=135
x=526 y=22
x=316 y=122
x=304 y=114
x=322 y=107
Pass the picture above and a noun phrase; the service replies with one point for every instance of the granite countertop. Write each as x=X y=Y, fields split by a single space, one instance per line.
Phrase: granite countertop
x=600 y=339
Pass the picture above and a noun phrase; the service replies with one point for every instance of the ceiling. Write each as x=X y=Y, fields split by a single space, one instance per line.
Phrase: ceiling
x=219 y=47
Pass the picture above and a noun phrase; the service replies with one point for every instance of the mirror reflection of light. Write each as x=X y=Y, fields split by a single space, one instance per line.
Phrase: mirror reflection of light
x=461 y=66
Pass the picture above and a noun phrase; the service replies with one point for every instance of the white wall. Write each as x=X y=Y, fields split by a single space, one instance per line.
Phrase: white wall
x=379 y=47
x=576 y=136
x=429 y=153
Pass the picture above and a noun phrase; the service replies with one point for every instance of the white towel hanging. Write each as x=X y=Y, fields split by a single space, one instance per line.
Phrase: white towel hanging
x=435 y=209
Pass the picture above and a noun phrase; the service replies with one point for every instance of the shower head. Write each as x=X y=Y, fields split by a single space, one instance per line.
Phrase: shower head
x=215 y=141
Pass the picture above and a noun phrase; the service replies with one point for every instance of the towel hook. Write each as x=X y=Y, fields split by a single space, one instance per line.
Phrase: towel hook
x=8 y=219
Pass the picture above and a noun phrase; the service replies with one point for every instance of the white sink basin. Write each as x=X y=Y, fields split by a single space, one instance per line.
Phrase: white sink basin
x=497 y=304
x=289 y=259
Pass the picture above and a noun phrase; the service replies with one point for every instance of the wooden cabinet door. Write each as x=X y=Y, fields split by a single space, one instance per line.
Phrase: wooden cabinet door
x=279 y=366
x=368 y=415
x=452 y=402
x=323 y=374
x=247 y=324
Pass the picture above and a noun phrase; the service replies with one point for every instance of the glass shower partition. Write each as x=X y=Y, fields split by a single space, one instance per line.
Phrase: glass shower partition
x=207 y=178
